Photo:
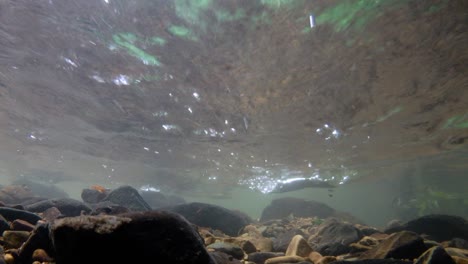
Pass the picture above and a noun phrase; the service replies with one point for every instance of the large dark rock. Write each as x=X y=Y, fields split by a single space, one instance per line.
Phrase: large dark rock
x=283 y=207
x=281 y=242
x=108 y=208
x=92 y=196
x=261 y=257
x=223 y=258
x=67 y=206
x=435 y=255
x=401 y=245
x=137 y=237
x=228 y=248
x=208 y=215
x=4 y=224
x=39 y=239
x=333 y=238
x=333 y=249
x=11 y=214
x=129 y=197
x=438 y=227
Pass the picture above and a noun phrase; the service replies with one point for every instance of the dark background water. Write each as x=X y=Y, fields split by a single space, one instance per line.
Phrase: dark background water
x=216 y=100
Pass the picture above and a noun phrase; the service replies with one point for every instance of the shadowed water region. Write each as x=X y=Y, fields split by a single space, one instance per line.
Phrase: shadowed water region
x=361 y=104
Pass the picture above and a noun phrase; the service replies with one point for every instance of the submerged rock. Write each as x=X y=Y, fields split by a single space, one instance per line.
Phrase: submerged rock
x=333 y=237
x=66 y=206
x=139 y=237
x=208 y=215
x=402 y=245
x=128 y=197
x=435 y=255
x=12 y=214
x=228 y=248
x=438 y=227
x=92 y=196
x=283 y=207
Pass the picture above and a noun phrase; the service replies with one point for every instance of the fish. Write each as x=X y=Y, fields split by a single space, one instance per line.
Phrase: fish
x=301 y=183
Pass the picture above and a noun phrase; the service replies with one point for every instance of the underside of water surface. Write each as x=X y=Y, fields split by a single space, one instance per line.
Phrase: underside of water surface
x=224 y=101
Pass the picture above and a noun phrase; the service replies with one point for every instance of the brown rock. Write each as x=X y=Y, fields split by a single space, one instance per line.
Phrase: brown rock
x=298 y=247
x=401 y=245
x=262 y=244
x=379 y=236
x=51 y=214
x=326 y=260
x=315 y=256
x=247 y=246
x=209 y=240
x=14 y=239
x=463 y=253
x=368 y=241
x=435 y=255
x=21 y=225
x=41 y=256
x=251 y=230
x=284 y=259
x=460 y=260
x=9 y=259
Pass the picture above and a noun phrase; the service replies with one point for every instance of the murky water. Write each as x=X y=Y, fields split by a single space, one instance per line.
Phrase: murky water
x=222 y=101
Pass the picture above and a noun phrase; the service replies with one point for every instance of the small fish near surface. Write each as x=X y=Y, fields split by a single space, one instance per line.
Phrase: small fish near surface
x=301 y=183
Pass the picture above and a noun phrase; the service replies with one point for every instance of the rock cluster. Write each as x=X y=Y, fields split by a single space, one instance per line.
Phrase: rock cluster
x=119 y=226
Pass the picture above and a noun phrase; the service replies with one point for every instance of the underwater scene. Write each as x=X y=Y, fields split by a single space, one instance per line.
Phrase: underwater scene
x=234 y=131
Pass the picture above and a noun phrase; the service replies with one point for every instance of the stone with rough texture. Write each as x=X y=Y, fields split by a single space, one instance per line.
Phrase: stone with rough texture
x=298 y=247
x=334 y=249
x=459 y=260
x=457 y=252
x=227 y=248
x=438 y=227
x=284 y=259
x=92 y=196
x=14 y=239
x=283 y=207
x=282 y=240
x=208 y=215
x=11 y=214
x=138 y=237
x=402 y=245
x=128 y=197
x=4 y=225
x=21 y=225
x=315 y=256
x=66 y=206
x=223 y=258
x=108 y=208
x=39 y=239
x=261 y=257
x=435 y=255
x=326 y=260
x=333 y=237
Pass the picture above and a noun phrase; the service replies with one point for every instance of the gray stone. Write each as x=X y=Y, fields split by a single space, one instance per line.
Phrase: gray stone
x=128 y=197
